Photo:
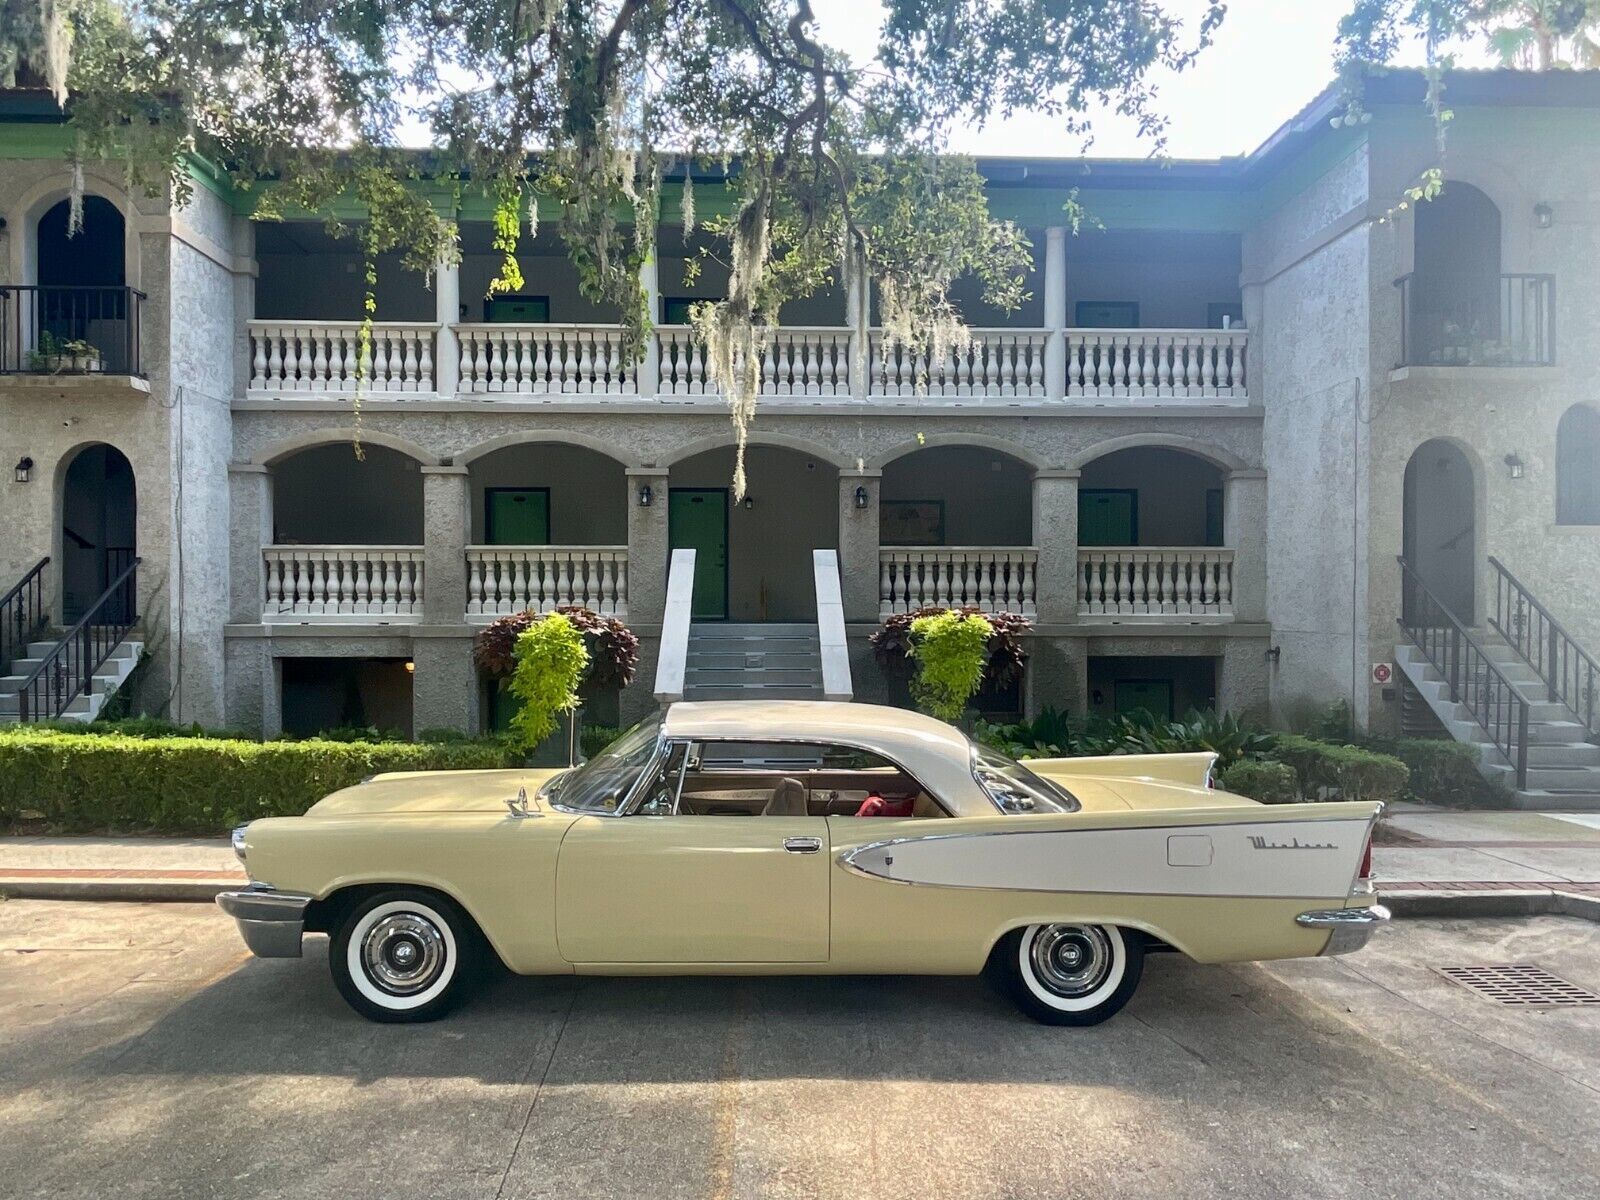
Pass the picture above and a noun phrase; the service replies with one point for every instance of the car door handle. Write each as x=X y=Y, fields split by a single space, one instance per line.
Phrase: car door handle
x=802 y=845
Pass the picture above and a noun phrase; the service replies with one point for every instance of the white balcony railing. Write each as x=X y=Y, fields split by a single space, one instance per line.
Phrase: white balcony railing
x=376 y=584
x=993 y=578
x=996 y=362
x=325 y=357
x=545 y=360
x=796 y=362
x=513 y=579
x=1155 y=582
x=1154 y=364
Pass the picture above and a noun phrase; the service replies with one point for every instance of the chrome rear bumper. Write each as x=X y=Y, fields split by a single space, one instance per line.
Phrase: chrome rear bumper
x=1351 y=927
x=270 y=922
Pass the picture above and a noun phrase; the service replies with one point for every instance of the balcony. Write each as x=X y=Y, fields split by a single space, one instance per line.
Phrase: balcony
x=510 y=579
x=993 y=578
x=62 y=333
x=376 y=585
x=1155 y=583
x=1484 y=321
x=320 y=358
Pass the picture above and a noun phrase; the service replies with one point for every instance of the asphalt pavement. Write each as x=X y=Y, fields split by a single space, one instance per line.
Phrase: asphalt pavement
x=144 y=1054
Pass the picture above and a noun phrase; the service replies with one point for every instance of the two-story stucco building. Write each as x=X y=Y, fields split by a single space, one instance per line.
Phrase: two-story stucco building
x=1192 y=458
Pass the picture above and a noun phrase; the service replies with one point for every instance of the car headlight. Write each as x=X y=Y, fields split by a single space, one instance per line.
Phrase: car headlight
x=238 y=840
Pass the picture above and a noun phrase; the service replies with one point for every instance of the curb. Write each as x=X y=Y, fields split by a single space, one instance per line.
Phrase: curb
x=1532 y=902
x=132 y=891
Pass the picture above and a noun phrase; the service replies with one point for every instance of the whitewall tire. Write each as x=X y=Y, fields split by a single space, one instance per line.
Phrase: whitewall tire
x=403 y=955
x=1070 y=974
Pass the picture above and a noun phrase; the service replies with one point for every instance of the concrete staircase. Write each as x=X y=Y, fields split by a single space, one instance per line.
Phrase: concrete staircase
x=1563 y=764
x=83 y=708
x=752 y=662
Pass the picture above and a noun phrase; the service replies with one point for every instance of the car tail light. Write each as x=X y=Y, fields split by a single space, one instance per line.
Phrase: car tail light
x=1366 y=859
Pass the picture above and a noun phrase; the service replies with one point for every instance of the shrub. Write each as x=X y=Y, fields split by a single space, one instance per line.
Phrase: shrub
x=1005 y=655
x=1352 y=772
x=199 y=785
x=613 y=647
x=1442 y=772
x=951 y=649
x=1048 y=735
x=551 y=662
x=1262 y=780
x=1142 y=733
x=594 y=738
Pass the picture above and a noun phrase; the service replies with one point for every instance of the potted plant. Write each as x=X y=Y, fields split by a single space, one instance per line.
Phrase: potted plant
x=610 y=657
x=56 y=356
x=1003 y=657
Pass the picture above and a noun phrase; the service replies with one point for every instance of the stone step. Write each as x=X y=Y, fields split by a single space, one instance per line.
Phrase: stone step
x=1582 y=780
x=775 y=691
x=755 y=659
x=1544 y=801
x=753 y=628
x=745 y=677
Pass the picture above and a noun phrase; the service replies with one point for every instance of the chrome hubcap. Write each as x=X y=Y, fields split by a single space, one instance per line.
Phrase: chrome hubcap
x=403 y=953
x=1071 y=960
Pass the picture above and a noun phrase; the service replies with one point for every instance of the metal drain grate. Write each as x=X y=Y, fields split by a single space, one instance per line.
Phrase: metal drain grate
x=1518 y=984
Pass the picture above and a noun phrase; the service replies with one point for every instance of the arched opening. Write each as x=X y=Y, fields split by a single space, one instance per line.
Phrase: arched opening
x=1440 y=530
x=1459 y=313
x=956 y=496
x=80 y=318
x=1578 y=467
x=548 y=494
x=99 y=521
x=1150 y=496
x=753 y=559
x=326 y=496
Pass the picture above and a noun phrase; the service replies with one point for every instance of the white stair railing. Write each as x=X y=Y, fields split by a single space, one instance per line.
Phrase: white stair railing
x=674 y=653
x=831 y=644
x=317 y=584
x=545 y=360
x=1155 y=581
x=319 y=357
x=993 y=578
x=1151 y=364
x=512 y=579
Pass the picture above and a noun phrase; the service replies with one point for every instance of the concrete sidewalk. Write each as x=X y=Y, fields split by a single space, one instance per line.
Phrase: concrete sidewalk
x=1419 y=853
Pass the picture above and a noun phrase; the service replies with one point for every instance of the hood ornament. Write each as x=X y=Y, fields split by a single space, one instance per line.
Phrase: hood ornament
x=518 y=804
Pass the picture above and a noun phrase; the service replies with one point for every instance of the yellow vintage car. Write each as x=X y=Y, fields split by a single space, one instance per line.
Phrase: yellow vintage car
x=803 y=838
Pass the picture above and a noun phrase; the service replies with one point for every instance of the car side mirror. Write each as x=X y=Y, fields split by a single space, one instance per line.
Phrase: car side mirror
x=519 y=806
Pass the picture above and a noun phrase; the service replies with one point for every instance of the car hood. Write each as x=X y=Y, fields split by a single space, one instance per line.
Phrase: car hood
x=433 y=791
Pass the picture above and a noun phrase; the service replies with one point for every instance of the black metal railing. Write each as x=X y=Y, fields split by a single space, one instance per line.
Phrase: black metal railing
x=23 y=615
x=1570 y=672
x=68 y=670
x=1474 y=679
x=48 y=330
x=1495 y=321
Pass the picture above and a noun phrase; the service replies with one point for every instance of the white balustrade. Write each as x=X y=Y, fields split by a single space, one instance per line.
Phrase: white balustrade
x=545 y=360
x=513 y=579
x=794 y=362
x=1153 y=364
x=995 y=362
x=993 y=578
x=325 y=357
x=315 y=584
x=1155 y=581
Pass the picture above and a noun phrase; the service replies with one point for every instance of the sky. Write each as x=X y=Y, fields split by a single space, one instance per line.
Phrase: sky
x=1267 y=60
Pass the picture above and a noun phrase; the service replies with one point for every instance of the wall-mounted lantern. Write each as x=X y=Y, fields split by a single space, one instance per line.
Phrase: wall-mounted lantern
x=1543 y=215
x=1515 y=465
x=646 y=496
x=861 y=496
x=24 y=469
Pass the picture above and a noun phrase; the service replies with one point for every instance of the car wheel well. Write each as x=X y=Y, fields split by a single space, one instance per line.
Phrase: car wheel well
x=328 y=913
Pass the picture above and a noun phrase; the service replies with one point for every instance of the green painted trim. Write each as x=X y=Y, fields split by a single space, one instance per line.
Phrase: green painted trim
x=1211 y=210
x=34 y=139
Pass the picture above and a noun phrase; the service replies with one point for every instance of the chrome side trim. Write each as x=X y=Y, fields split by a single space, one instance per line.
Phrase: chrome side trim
x=1351 y=927
x=271 y=923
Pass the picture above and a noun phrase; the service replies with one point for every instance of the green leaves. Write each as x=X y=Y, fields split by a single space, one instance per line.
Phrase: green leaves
x=550 y=664
x=950 y=649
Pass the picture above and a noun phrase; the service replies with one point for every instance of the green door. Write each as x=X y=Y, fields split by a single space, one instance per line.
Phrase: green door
x=1153 y=696
x=697 y=519
x=516 y=516
x=517 y=310
x=1108 y=517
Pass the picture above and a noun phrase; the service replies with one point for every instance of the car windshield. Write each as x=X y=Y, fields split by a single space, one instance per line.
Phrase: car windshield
x=602 y=783
x=1014 y=788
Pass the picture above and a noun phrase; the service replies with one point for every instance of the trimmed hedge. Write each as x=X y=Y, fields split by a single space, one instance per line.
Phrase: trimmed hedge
x=1443 y=772
x=1354 y=773
x=199 y=785
x=1261 y=779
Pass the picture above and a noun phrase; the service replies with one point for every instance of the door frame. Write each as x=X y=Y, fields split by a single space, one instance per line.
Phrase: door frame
x=1133 y=511
x=727 y=544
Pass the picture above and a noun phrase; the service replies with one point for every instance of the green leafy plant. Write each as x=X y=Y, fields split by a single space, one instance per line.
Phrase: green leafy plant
x=1262 y=780
x=951 y=649
x=1353 y=773
x=1222 y=733
x=550 y=665
x=1005 y=656
x=1051 y=734
x=613 y=647
x=1442 y=772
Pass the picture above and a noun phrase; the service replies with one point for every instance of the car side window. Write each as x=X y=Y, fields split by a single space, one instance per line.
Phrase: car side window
x=793 y=779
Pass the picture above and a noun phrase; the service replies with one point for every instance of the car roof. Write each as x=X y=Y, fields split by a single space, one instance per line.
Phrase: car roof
x=936 y=754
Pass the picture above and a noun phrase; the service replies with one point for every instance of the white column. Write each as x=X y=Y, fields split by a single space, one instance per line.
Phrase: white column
x=649 y=370
x=1055 y=312
x=447 y=311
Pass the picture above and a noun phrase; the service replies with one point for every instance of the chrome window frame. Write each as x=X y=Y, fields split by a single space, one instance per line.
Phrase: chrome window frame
x=974 y=748
x=631 y=797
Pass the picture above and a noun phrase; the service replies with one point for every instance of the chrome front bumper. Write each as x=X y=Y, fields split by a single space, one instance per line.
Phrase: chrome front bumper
x=270 y=922
x=1351 y=927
